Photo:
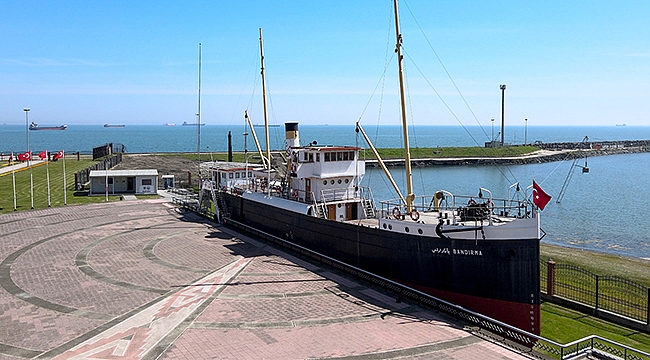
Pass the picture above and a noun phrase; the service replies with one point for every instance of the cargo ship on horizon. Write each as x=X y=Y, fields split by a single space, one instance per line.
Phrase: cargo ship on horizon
x=35 y=126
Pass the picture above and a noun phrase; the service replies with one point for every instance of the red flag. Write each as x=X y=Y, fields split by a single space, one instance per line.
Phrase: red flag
x=540 y=198
x=58 y=155
x=43 y=155
x=25 y=156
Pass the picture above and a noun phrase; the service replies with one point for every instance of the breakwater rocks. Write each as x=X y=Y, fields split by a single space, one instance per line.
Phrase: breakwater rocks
x=549 y=154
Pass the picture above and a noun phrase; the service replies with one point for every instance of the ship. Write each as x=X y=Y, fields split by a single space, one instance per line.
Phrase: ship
x=185 y=123
x=169 y=124
x=34 y=126
x=477 y=251
x=113 y=125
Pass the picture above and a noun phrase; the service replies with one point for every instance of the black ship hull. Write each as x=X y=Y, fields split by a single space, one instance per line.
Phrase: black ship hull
x=497 y=278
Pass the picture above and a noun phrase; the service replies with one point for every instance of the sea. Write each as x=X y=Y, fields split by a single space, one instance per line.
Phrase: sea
x=604 y=210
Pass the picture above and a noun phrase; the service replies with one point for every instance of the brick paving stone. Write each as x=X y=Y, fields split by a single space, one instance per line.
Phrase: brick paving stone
x=116 y=259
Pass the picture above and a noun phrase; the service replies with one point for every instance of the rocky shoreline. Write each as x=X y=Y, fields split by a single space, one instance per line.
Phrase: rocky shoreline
x=538 y=157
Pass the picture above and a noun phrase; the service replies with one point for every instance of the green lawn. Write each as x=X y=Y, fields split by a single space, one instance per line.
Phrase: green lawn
x=39 y=175
x=385 y=153
x=564 y=326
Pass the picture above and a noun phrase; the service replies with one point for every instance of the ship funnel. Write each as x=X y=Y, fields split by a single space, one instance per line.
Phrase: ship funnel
x=291 y=139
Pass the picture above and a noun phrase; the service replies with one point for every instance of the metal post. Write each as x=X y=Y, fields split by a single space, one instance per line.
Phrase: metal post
x=597 y=277
x=503 y=107
x=647 y=305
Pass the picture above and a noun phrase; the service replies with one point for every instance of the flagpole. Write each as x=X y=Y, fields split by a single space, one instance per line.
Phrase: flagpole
x=31 y=178
x=47 y=171
x=65 y=195
x=13 y=178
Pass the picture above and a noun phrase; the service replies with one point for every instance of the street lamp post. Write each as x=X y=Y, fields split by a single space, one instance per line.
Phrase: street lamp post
x=526 y=132
x=502 y=87
x=31 y=178
x=492 y=138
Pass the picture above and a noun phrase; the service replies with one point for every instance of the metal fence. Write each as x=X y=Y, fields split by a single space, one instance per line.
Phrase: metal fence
x=601 y=292
x=83 y=176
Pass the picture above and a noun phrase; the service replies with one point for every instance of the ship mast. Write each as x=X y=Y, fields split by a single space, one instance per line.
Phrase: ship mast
x=266 y=117
x=407 y=152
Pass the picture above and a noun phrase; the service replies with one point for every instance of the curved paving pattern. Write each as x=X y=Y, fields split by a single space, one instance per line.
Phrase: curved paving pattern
x=141 y=279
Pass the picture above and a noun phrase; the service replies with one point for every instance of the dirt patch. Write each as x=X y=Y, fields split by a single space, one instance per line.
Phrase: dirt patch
x=166 y=165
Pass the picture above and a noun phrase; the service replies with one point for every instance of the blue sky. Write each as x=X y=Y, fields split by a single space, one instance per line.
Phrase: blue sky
x=135 y=62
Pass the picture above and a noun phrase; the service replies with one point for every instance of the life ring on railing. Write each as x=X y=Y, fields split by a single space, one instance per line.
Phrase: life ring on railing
x=471 y=202
x=490 y=205
x=294 y=193
x=415 y=215
x=294 y=168
x=397 y=214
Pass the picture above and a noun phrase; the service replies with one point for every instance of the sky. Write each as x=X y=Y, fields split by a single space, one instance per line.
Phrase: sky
x=327 y=62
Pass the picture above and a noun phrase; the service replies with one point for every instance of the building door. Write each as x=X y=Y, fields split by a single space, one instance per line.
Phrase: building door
x=307 y=190
x=350 y=211
x=331 y=212
x=129 y=184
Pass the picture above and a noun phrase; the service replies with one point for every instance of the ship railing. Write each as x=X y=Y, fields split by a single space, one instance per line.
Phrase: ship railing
x=460 y=207
x=338 y=194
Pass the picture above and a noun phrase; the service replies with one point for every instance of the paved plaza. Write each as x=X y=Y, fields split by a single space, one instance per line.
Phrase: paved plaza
x=143 y=279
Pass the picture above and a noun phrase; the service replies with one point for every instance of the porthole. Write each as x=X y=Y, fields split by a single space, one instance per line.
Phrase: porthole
x=339 y=205
x=407 y=229
x=324 y=182
x=420 y=231
x=390 y=227
x=385 y=225
x=347 y=181
x=340 y=181
x=332 y=182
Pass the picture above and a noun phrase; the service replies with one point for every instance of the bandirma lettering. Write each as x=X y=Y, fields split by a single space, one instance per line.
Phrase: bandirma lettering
x=463 y=252
x=467 y=252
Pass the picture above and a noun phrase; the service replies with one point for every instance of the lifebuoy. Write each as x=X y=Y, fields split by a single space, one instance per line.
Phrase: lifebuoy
x=415 y=215
x=294 y=193
x=471 y=202
x=397 y=214
x=294 y=168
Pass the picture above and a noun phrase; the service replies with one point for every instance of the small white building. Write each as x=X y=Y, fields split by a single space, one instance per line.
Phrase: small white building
x=124 y=181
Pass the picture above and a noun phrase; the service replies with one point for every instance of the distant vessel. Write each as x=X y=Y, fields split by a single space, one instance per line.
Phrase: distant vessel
x=116 y=126
x=185 y=123
x=169 y=124
x=34 y=126
x=623 y=124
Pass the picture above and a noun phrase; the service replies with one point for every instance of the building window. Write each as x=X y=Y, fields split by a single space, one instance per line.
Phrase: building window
x=250 y=174
x=317 y=157
x=305 y=157
x=237 y=175
x=327 y=157
x=110 y=181
x=339 y=156
x=346 y=156
x=230 y=175
x=146 y=181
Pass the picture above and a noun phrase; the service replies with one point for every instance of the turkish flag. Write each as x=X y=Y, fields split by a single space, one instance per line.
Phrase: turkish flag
x=43 y=155
x=540 y=198
x=58 y=155
x=25 y=156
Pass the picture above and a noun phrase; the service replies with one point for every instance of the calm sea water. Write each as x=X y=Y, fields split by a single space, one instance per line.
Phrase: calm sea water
x=604 y=210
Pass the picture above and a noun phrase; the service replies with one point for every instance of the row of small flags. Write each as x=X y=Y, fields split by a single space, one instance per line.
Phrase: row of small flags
x=27 y=156
x=43 y=155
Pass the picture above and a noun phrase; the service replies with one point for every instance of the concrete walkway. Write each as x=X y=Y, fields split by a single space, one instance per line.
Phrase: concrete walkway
x=142 y=279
